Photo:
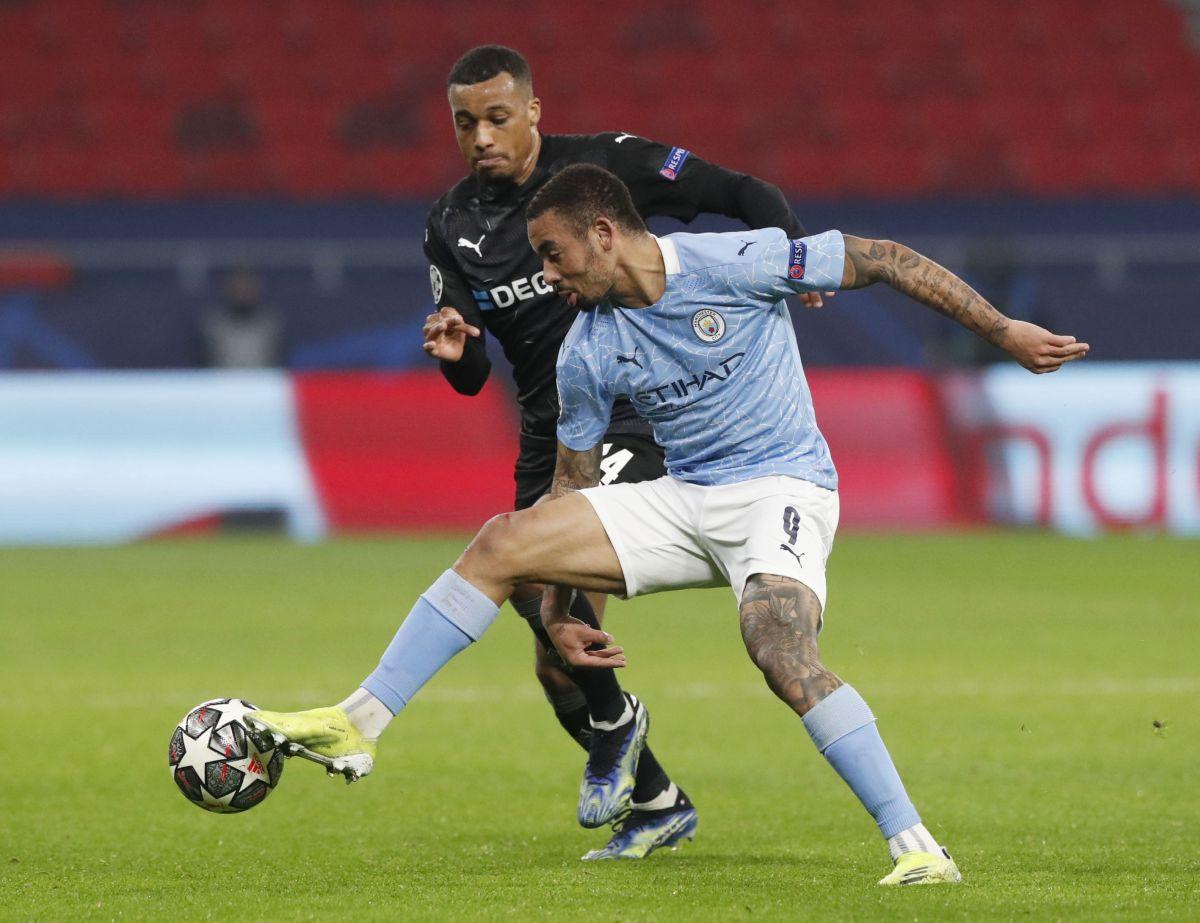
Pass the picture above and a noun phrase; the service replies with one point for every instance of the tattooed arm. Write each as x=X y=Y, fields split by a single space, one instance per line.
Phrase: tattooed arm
x=575 y=470
x=579 y=645
x=1035 y=348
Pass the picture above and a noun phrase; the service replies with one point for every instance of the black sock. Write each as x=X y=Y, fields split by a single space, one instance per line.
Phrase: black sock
x=651 y=779
x=600 y=688
x=576 y=724
x=605 y=700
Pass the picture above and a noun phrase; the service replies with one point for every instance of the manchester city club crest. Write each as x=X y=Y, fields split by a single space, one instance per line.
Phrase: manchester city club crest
x=709 y=325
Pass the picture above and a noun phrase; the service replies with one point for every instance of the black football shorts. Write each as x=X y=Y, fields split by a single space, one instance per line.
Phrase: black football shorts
x=627 y=458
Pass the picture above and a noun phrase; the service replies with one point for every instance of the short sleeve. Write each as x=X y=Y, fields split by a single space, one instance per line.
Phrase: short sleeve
x=584 y=401
x=786 y=266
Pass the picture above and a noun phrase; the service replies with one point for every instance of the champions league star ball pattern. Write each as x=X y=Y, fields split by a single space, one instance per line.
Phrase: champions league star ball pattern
x=219 y=762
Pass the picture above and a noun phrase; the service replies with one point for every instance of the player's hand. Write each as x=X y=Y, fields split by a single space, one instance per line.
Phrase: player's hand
x=1037 y=349
x=813 y=299
x=581 y=645
x=446 y=334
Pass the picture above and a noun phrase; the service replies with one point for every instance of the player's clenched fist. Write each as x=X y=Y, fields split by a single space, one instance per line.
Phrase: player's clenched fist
x=446 y=334
x=1037 y=349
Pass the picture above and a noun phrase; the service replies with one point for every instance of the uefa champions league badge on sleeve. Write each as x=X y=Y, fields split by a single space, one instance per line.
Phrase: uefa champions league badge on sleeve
x=435 y=283
x=674 y=163
x=796 y=261
x=709 y=325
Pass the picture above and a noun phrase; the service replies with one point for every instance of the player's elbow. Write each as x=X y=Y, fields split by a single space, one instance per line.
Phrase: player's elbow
x=870 y=261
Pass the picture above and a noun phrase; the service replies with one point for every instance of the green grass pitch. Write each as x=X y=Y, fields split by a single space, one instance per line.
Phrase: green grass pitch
x=1039 y=695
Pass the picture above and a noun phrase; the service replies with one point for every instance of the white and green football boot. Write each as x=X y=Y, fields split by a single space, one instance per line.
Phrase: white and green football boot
x=923 y=868
x=323 y=735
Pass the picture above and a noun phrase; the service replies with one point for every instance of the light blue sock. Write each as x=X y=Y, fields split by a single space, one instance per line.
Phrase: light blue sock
x=843 y=728
x=446 y=619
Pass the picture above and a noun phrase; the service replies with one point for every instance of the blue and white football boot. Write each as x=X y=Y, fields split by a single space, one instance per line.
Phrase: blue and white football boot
x=609 y=777
x=640 y=832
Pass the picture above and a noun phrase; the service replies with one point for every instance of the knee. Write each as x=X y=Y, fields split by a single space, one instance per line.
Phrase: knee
x=555 y=681
x=795 y=674
x=552 y=676
x=780 y=650
x=494 y=549
x=779 y=626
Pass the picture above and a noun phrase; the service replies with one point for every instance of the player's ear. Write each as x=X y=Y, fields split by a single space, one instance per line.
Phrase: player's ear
x=535 y=112
x=603 y=229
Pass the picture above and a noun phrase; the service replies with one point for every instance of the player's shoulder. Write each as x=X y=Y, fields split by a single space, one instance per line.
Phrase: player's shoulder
x=601 y=143
x=698 y=252
x=609 y=149
x=621 y=139
x=557 y=144
x=461 y=195
x=580 y=330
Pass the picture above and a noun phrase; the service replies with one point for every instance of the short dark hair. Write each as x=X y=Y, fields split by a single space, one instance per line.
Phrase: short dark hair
x=582 y=193
x=487 y=61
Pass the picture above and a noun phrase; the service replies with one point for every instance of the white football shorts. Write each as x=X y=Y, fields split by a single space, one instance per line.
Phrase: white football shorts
x=669 y=534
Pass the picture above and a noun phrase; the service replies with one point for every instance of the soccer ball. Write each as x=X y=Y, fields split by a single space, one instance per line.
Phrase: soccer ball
x=219 y=762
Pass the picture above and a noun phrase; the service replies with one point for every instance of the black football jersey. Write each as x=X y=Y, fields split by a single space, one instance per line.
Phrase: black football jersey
x=481 y=262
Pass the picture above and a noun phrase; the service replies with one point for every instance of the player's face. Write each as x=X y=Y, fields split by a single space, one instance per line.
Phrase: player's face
x=496 y=124
x=579 y=269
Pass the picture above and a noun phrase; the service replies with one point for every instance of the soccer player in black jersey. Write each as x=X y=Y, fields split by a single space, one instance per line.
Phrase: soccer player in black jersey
x=485 y=277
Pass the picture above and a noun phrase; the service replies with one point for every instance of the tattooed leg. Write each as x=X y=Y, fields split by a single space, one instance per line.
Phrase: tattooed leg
x=779 y=625
x=779 y=618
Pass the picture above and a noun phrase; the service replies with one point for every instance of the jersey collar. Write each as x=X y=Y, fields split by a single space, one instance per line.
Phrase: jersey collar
x=669 y=255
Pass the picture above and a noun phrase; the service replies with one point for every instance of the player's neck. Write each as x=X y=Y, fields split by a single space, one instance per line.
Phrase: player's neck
x=641 y=277
x=531 y=161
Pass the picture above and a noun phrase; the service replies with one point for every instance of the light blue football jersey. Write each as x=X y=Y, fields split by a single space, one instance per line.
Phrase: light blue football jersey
x=713 y=365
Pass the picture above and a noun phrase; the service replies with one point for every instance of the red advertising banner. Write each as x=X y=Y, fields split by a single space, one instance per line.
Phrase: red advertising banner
x=405 y=451
x=113 y=457
x=887 y=433
x=1101 y=447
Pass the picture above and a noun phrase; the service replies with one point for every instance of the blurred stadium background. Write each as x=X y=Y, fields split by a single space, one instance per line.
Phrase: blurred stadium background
x=162 y=159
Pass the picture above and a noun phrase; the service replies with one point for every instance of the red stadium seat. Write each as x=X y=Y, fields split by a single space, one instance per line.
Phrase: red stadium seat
x=970 y=97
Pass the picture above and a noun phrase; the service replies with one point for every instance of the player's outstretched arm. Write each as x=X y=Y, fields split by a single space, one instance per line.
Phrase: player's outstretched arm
x=579 y=645
x=1034 y=347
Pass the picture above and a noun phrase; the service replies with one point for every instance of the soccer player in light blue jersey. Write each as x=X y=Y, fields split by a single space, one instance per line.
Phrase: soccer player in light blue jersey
x=690 y=327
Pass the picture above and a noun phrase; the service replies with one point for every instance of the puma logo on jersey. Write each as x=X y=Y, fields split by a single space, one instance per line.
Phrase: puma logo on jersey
x=463 y=242
x=624 y=136
x=746 y=245
x=630 y=360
